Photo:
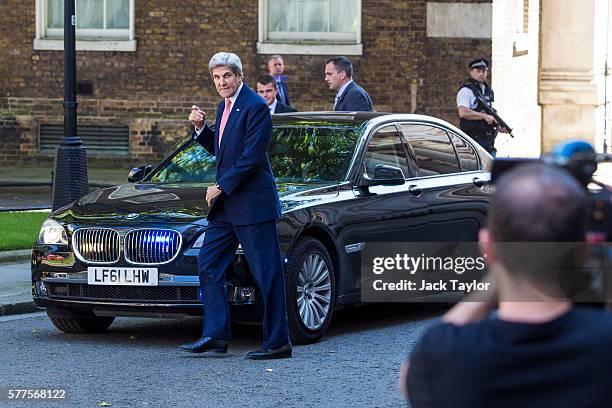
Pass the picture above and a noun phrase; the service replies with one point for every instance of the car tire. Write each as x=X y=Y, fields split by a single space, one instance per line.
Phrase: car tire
x=311 y=291
x=81 y=325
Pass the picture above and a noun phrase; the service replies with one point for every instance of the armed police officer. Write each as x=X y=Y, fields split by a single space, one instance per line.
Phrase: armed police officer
x=474 y=98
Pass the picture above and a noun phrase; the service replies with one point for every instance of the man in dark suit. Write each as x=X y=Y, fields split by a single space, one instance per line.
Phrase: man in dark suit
x=276 y=67
x=349 y=96
x=266 y=88
x=243 y=208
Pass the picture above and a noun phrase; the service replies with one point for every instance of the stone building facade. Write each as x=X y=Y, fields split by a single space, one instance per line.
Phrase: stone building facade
x=410 y=55
x=575 y=66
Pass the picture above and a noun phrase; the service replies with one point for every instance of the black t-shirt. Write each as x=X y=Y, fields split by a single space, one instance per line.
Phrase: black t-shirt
x=566 y=362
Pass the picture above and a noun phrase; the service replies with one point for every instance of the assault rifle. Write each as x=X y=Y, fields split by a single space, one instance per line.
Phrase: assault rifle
x=488 y=109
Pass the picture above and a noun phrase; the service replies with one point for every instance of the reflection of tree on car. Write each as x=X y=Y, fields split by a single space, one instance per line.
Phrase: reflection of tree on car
x=319 y=154
x=315 y=154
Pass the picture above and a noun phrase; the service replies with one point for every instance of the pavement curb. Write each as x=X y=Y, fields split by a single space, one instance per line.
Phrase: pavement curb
x=15 y=256
x=17 y=308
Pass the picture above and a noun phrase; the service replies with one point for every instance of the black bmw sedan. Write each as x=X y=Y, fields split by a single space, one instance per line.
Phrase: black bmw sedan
x=345 y=179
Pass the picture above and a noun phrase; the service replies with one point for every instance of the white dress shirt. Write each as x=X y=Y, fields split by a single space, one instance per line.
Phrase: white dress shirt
x=272 y=106
x=465 y=97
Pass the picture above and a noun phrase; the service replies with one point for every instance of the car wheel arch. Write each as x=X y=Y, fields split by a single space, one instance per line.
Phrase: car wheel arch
x=324 y=236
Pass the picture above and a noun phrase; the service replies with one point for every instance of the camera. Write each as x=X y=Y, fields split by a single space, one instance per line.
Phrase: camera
x=580 y=160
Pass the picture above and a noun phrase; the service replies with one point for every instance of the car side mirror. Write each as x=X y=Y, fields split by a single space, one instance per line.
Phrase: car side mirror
x=139 y=173
x=389 y=175
x=384 y=175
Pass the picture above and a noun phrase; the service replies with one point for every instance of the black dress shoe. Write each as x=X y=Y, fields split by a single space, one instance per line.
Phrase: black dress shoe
x=267 y=354
x=204 y=344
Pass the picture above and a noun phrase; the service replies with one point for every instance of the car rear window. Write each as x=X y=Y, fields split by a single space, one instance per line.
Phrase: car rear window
x=432 y=148
x=466 y=153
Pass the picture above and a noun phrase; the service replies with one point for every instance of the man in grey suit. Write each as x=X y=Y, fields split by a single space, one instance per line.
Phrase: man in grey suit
x=349 y=95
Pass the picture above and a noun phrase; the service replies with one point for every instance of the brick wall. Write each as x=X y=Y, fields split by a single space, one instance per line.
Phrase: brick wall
x=447 y=68
x=152 y=89
x=18 y=138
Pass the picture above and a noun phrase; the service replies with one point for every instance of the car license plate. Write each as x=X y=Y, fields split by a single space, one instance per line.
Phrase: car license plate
x=107 y=275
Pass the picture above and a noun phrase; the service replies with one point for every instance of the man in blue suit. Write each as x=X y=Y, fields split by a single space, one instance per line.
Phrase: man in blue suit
x=243 y=208
x=276 y=67
x=349 y=96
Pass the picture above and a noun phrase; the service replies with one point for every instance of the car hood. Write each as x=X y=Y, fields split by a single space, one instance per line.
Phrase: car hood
x=170 y=203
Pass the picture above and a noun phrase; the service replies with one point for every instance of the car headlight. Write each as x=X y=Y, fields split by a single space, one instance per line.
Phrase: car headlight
x=52 y=232
x=200 y=241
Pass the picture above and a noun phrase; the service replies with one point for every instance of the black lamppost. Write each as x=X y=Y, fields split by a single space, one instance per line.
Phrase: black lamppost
x=70 y=180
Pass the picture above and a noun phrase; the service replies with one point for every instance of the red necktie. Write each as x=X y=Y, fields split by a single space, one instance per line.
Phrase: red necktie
x=224 y=117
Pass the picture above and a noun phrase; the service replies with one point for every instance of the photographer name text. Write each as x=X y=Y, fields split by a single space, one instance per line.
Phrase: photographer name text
x=424 y=285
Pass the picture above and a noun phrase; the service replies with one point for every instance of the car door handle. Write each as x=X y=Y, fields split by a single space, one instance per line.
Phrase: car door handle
x=479 y=182
x=415 y=190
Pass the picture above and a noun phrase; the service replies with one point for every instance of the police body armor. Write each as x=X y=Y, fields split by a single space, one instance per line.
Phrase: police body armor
x=479 y=130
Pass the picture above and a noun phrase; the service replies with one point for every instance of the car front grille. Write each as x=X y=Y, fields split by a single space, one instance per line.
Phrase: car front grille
x=97 y=245
x=151 y=246
x=140 y=246
x=161 y=294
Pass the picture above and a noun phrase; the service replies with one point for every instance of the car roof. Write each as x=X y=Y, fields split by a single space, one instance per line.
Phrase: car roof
x=353 y=119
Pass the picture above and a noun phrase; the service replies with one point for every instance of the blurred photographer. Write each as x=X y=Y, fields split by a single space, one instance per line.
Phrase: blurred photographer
x=538 y=350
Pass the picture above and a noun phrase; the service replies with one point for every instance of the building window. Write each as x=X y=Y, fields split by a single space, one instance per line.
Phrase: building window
x=522 y=16
x=521 y=27
x=109 y=23
x=316 y=24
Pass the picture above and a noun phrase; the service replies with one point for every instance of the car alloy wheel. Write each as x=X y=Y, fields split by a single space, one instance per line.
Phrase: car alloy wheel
x=314 y=291
x=311 y=290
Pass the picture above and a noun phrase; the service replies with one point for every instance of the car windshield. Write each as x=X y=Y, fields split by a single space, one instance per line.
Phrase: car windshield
x=298 y=154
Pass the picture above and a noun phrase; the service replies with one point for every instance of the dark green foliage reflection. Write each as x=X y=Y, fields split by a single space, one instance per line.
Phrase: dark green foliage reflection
x=190 y=165
x=297 y=155
x=320 y=154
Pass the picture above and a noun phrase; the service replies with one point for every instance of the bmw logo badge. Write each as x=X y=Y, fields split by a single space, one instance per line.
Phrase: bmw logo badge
x=131 y=216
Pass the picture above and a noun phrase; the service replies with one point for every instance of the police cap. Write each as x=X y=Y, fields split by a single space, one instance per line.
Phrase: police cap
x=480 y=63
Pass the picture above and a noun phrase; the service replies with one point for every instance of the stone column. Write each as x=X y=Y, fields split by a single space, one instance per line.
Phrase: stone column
x=574 y=47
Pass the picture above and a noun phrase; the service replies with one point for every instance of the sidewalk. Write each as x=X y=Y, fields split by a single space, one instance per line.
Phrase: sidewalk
x=15 y=289
x=27 y=176
x=31 y=187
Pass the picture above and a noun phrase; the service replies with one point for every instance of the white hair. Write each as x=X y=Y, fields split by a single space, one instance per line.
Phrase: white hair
x=226 y=59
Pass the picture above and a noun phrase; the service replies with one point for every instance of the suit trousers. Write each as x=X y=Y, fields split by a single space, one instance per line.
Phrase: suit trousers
x=260 y=245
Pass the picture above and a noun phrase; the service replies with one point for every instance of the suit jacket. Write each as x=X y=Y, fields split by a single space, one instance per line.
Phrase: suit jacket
x=286 y=93
x=243 y=169
x=354 y=98
x=282 y=108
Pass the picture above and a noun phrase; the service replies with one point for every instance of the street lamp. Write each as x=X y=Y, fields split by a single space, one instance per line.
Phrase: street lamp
x=70 y=179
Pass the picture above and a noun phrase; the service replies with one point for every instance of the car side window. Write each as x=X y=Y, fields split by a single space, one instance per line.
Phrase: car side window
x=432 y=148
x=385 y=149
x=467 y=155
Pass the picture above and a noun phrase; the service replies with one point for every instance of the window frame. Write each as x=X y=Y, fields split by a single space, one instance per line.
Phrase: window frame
x=413 y=154
x=408 y=170
x=329 y=43
x=474 y=150
x=520 y=44
x=52 y=39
